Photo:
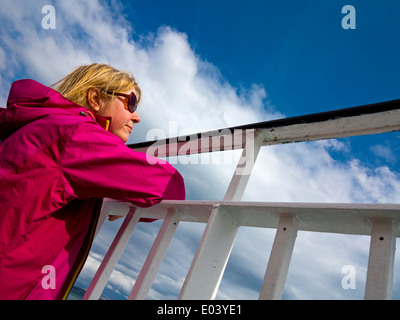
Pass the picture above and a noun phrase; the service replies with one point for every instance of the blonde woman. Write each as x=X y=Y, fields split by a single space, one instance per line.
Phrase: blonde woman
x=62 y=151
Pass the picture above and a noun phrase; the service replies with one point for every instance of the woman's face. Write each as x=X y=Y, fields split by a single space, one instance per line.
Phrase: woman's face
x=122 y=120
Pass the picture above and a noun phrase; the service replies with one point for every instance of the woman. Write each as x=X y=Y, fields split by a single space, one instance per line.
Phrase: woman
x=61 y=152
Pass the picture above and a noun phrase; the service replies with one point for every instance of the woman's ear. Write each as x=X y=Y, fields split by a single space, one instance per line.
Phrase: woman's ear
x=93 y=99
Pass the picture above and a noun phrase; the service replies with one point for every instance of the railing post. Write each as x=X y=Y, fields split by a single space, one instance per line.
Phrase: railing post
x=208 y=265
x=379 y=284
x=279 y=260
x=113 y=254
x=245 y=166
x=156 y=255
x=105 y=212
x=209 y=262
x=109 y=207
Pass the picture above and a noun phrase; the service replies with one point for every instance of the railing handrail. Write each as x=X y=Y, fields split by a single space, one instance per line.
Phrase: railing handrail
x=346 y=218
x=302 y=128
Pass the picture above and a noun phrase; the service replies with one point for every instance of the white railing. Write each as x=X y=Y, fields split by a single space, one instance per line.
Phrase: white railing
x=224 y=218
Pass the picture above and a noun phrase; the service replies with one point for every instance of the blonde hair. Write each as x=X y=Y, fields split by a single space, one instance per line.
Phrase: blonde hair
x=75 y=86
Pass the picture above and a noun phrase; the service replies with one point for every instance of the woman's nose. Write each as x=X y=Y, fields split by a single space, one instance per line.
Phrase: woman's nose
x=135 y=117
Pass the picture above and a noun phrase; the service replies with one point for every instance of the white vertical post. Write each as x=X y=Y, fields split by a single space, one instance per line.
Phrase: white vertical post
x=245 y=166
x=156 y=255
x=209 y=262
x=379 y=284
x=110 y=206
x=279 y=260
x=102 y=218
x=113 y=254
x=208 y=265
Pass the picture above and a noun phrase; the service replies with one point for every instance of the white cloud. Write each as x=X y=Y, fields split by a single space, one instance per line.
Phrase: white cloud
x=384 y=152
x=180 y=87
x=3 y=62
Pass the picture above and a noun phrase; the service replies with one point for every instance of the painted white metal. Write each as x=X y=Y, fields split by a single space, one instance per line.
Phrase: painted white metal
x=207 y=142
x=344 y=218
x=113 y=254
x=244 y=167
x=215 y=247
x=223 y=218
x=319 y=217
x=156 y=255
x=379 y=284
x=209 y=262
x=279 y=260
x=335 y=127
x=111 y=207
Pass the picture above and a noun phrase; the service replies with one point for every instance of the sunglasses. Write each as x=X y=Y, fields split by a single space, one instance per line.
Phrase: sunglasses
x=130 y=101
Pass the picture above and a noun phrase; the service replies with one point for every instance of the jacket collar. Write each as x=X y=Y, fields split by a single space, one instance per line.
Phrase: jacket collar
x=104 y=122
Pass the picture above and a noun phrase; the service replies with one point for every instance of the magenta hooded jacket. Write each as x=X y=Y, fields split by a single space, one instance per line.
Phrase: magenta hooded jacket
x=57 y=163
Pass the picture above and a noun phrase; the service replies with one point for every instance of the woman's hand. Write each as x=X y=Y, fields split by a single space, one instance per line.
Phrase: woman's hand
x=113 y=217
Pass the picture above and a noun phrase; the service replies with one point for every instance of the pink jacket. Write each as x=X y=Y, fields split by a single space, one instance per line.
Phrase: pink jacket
x=57 y=163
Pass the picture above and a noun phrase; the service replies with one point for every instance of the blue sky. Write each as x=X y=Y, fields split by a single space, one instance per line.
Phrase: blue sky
x=297 y=50
x=206 y=65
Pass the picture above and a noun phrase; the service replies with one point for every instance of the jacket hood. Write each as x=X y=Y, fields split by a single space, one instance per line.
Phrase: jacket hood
x=28 y=101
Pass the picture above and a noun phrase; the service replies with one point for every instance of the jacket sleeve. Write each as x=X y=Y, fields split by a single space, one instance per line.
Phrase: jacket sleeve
x=98 y=164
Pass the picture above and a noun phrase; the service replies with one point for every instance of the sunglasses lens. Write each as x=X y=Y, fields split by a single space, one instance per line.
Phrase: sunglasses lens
x=132 y=103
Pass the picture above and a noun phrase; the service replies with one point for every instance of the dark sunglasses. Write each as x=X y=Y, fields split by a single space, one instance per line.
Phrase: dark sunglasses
x=130 y=103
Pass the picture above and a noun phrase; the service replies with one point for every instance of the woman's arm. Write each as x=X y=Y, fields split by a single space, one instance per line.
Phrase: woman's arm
x=98 y=164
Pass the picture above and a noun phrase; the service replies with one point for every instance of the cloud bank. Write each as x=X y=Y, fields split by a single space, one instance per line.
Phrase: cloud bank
x=185 y=92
